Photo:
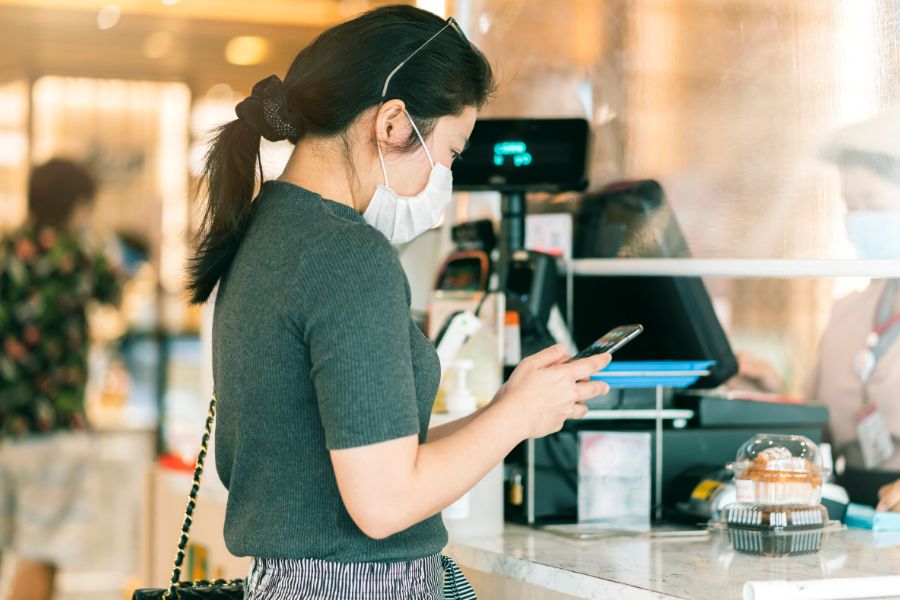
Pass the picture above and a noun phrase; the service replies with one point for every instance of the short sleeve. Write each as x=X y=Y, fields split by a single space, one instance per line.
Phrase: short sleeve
x=352 y=307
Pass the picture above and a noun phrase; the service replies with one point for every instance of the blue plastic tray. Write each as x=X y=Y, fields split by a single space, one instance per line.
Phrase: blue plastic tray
x=649 y=374
x=865 y=517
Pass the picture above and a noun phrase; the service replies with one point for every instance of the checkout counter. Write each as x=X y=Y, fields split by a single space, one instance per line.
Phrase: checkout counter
x=525 y=562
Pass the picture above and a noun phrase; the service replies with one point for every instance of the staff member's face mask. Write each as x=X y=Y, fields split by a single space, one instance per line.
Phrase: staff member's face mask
x=874 y=234
x=402 y=218
x=873 y=213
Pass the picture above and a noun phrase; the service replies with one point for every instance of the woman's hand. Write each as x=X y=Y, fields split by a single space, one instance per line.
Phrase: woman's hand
x=391 y=485
x=545 y=390
x=889 y=497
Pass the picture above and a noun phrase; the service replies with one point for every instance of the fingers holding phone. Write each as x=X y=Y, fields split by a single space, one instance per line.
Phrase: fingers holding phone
x=601 y=349
x=545 y=390
x=611 y=341
x=581 y=369
x=548 y=388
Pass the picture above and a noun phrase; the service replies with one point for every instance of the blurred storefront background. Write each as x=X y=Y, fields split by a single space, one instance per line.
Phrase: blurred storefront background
x=726 y=102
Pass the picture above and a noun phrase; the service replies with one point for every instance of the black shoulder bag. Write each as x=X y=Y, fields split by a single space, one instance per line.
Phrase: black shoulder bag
x=219 y=589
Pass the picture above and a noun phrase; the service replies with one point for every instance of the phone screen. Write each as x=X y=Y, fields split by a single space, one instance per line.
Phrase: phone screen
x=611 y=341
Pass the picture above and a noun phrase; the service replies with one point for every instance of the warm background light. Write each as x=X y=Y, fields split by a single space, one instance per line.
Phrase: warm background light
x=308 y=13
x=438 y=7
x=247 y=50
x=14 y=159
x=157 y=44
x=108 y=16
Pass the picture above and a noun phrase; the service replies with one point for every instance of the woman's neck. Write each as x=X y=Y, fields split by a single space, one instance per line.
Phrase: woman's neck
x=321 y=167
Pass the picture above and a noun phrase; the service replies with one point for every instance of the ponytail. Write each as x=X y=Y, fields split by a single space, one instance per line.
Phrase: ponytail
x=331 y=82
x=229 y=177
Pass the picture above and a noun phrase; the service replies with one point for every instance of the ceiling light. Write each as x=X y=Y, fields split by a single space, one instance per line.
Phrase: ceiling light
x=484 y=23
x=170 y=2
x=108 y=16
x=438 y=7
x=247 y=50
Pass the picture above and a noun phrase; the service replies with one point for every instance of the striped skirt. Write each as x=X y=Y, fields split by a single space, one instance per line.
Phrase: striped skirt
x=434 y=577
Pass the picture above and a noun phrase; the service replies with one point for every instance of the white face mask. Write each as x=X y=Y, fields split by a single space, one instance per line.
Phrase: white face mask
x=402 y=218
x=874 y=234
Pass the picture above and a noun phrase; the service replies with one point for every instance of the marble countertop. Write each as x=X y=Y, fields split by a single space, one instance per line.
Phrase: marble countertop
x=653 y=566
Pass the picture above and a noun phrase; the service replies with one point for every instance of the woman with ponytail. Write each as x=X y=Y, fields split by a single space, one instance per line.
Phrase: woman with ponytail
x=325 y=385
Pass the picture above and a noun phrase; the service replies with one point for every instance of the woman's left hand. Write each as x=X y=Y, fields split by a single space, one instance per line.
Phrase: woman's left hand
x=889 y=497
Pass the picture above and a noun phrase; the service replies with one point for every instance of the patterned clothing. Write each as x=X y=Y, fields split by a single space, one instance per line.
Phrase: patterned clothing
x=46 y=281
x=313 y=579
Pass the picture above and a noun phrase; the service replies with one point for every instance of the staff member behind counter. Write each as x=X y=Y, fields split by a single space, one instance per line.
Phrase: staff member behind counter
x=325 y=384
x=857 y=374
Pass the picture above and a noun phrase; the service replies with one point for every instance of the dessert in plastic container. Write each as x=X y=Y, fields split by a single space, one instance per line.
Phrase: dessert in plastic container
x=778 y=518
x=785 y=530
x=776 y=470
x=762 y=543
x=776 y=530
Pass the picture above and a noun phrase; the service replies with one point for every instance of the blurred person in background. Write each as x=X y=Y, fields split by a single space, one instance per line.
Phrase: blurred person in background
x=48 y=276
x=857 y=373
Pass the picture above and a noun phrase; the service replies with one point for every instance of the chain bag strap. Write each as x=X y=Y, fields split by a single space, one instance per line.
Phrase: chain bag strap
x=218 y=587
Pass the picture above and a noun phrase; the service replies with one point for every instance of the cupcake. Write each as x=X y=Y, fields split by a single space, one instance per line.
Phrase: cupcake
x=777 y=470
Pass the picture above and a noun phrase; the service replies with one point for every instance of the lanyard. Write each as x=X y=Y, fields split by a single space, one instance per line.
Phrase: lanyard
x=885 y=331
x=880 y=330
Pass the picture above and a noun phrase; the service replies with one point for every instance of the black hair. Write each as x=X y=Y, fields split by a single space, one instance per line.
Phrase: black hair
x=330 y=83
x=55 y=189
x=885 y=166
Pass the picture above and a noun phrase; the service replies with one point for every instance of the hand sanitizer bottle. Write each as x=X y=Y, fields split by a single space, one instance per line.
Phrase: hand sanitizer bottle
x=461 y=401
x=479 y=511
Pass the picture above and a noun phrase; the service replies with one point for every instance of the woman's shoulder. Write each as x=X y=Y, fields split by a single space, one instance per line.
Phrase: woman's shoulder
x=858 y=304
x=320 y=224
x=352 y=262
x=327 y=247
x=354 y=246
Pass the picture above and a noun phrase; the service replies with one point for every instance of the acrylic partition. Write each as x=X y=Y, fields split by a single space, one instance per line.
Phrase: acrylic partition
x=762 y=119
x=739 y=107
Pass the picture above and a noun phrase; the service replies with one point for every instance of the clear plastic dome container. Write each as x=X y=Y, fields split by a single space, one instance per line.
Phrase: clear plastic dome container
x=774 y=470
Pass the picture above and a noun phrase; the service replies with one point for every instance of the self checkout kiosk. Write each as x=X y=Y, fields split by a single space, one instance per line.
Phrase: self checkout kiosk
x=663 y=383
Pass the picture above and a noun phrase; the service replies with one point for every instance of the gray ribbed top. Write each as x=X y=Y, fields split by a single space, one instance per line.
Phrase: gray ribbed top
x=314 y=349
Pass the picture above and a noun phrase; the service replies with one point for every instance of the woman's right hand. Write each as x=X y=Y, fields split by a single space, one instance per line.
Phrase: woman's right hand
x=545 y=390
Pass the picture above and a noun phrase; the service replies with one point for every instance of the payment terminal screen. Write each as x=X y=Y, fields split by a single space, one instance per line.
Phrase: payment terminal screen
x=524 y=154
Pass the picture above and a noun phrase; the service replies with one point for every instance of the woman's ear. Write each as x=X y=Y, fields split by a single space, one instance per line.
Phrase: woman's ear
x=391 y=124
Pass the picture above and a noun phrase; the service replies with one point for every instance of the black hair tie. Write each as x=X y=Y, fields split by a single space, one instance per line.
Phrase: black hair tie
x=265 y=111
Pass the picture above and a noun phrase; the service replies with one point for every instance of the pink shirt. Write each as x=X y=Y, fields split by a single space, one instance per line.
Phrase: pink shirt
x=834 y=381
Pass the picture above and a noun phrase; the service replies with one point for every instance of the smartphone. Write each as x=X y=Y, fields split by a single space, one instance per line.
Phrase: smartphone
x=611 y=341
